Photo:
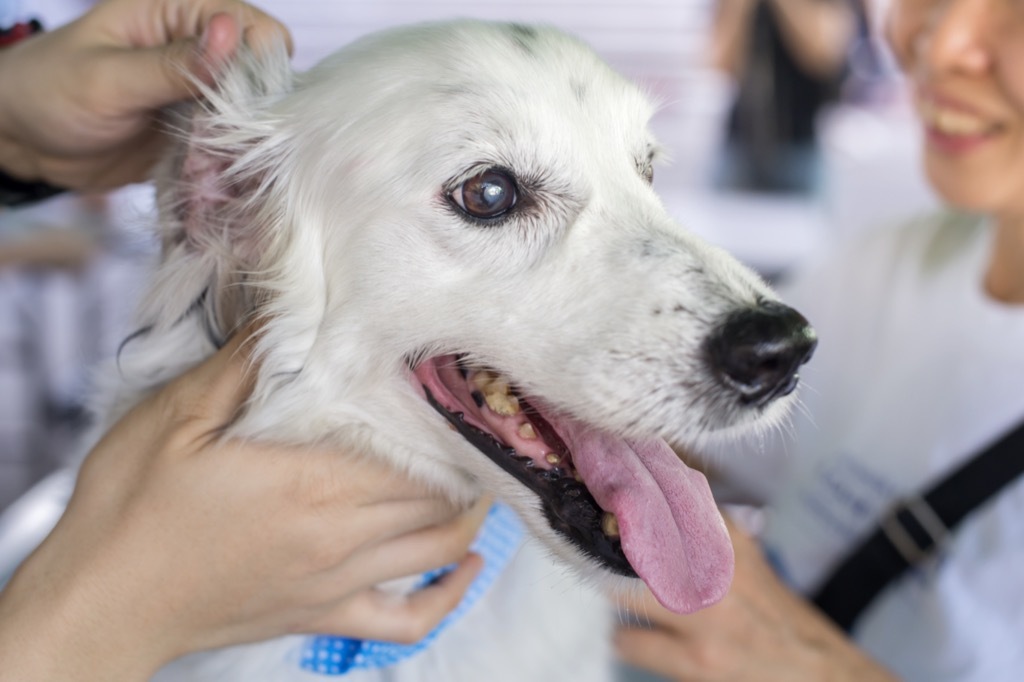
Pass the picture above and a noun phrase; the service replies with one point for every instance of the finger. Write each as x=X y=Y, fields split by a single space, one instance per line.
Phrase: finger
x=224 y=25
x=159 y=75
x=218 y=42
x=337 y=481
x=146 y=79
x=214 y=390
x=265 y=31
x=355 y=559
x=374 y=614
x=415 y=552
x=259 y=29
x=656 y=651
x=353 y=479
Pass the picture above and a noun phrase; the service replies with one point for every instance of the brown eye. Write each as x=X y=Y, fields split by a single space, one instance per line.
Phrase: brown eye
x=487 y=195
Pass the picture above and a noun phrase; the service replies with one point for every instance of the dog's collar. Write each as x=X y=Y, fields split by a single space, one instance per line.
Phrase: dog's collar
x=496 y=543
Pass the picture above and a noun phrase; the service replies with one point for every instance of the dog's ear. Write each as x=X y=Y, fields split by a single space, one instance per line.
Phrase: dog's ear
x=215 y=190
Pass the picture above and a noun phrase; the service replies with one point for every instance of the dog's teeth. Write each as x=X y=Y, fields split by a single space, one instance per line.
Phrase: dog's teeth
x=610 y=525
x=526 y=431
x=576 y=475
x=483 y=379
x=496 y=393
x=489 y=382
x=502 y=403
x=499 y=385
x=552 y=458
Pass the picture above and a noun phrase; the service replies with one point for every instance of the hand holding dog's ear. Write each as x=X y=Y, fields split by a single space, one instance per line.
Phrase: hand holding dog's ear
x=759 y=631
x=177 y=540
x=79 y=103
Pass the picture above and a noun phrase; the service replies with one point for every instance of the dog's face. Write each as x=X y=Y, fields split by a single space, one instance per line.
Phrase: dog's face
x=451 y=233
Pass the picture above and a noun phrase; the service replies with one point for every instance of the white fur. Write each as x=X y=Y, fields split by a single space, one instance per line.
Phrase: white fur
x=325 y=215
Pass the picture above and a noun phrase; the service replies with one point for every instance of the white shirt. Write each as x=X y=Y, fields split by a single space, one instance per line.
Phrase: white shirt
x=916 y=370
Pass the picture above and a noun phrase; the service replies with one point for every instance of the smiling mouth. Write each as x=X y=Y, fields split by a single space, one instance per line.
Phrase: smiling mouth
x=632 y=506
x=952 y=122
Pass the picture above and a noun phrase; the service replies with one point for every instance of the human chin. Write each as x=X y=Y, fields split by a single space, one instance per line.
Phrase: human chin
x=985 y=185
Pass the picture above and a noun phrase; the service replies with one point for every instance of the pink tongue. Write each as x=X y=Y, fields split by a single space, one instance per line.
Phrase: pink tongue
x=671 y=530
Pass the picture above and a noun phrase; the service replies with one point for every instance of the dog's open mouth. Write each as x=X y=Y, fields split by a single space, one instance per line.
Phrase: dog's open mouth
x=632 y=505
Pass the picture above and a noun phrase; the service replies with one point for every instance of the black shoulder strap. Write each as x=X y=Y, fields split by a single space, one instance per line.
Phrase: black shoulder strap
x=915 y=526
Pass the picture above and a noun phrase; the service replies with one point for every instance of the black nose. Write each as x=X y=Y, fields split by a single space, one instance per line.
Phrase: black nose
x=757 y=351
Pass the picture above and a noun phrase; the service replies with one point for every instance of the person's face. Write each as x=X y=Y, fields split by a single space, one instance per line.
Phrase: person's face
x=965 y=62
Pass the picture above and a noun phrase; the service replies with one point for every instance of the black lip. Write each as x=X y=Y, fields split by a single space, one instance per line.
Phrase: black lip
x=568 y=505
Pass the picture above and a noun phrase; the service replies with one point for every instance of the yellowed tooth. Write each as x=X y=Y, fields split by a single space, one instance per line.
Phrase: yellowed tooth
x=610 y=525
x=499 y=385
x=502 y=403
x=552 y=458
x=576 y=475
x=527 y=432
x=483 y=379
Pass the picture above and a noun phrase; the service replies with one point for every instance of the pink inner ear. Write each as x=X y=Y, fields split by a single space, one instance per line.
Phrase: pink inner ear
x=203 y=194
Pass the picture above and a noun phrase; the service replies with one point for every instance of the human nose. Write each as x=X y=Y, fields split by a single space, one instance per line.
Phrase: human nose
x=956 y=37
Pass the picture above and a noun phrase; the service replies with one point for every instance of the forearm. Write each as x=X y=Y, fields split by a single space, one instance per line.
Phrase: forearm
x=818 y=32
x=731 y=35
x=43 y=645
x=73 y=628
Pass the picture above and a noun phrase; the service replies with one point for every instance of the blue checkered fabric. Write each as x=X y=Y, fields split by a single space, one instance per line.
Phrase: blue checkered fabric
x=497 y=541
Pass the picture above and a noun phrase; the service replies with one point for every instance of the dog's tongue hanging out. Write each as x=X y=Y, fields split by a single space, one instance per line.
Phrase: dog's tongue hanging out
x=669 y=527
x=671 y=530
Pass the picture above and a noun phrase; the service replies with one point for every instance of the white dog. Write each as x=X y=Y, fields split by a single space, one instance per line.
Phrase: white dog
x=451 y=235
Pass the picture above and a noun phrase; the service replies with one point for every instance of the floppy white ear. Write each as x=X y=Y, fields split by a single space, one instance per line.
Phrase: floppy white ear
x=218 y=196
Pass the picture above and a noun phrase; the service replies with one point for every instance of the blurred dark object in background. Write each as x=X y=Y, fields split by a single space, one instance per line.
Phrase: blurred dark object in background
x=788 y=60
x=71 y=270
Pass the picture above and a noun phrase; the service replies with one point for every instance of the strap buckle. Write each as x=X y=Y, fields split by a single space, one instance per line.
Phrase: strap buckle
x=929 y=521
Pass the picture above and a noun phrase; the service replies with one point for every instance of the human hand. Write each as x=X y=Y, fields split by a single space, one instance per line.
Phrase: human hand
x=759 y=631
x=79 y=103
x=176 y=540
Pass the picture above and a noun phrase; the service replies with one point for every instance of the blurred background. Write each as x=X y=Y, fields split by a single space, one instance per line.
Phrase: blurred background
x=778 y=149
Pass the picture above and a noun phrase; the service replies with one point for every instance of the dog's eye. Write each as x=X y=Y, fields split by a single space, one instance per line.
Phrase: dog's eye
x=487 y=195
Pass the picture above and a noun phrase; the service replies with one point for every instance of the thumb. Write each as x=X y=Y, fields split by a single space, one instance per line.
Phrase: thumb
x=217 y=387
x=157 y=76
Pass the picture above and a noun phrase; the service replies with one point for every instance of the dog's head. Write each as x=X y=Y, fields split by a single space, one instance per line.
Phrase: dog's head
x=451 y=236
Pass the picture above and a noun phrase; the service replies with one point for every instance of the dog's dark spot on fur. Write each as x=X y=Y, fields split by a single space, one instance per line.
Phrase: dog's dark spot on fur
x=455 y=90
x=579 y=90
x=649 y=248
x=523 y=36
x=679 y=308
x=657 y=311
